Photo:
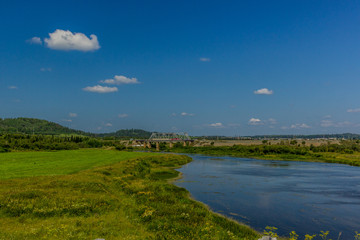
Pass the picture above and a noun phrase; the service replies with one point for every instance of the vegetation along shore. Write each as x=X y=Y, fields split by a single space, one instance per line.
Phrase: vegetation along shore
x=130 y=197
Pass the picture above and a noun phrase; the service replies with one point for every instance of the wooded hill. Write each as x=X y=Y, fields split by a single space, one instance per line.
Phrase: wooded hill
x=35 y=126
x=44 y=127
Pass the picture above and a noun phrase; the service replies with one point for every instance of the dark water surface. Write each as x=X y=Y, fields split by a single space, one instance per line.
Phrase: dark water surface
x=303 y=196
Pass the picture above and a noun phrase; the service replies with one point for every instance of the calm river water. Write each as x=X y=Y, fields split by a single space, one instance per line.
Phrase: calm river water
x=303 y=196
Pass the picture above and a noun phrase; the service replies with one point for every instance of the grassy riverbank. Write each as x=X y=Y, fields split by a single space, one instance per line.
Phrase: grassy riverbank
x=128 y=197
x=275 y=152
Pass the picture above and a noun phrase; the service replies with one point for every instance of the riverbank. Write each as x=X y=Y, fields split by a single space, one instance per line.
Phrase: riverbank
x=131 y=199
x=286 y=153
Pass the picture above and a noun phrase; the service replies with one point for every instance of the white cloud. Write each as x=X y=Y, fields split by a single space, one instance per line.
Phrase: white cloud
x=73 y=115
x=45 y=69
x=13 y=87
x=66 y=40
x=108 y=125
x=299 y=125
x=100 y=89
x=264 y=91
x=255 y=121
x=123 y=115
x=203 y=59
x=173 y=114
x=35 y=40
x=67 y=120
x=353 y=110
x=118 y=80
x=187 y=114
x=216 y=125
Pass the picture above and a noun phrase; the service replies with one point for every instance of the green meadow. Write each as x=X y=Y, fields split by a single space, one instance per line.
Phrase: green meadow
x=29 y=164
x=106 y=194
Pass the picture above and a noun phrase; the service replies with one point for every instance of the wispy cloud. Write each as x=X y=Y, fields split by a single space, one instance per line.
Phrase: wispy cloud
x=204 y=59
x=13 y=87
x=187 y=114
x=73 y=115
x=330 y=123
x=272 y=121
x=45 y=69
x=100 y=89
x=108 y=125
x=184 y=114
x=119 y=80
x=35 y=40
x=264 y=91
x=123 y=115
x=299 y=125
x=67 y=41
x=66 y=120
x=255 y=121
x=215 y=125
x=353 y=110
x=234 y=125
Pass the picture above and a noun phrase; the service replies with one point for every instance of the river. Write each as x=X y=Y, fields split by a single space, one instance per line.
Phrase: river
x=305 y=197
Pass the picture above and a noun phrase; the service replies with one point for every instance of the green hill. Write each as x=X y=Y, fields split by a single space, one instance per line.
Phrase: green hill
x=44 y=127
x=35 y=126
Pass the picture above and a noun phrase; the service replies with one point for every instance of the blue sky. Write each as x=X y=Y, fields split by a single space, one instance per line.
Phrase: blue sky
x=202 y=67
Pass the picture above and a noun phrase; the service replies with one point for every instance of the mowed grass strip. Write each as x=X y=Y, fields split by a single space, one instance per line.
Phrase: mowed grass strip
x=131 y=199
x=29 y=164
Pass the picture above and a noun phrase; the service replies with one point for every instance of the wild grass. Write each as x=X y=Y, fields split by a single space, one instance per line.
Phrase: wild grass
x=131 y=199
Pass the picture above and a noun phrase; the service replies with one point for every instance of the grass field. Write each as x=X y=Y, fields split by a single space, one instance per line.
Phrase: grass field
x=28 y=164
x=89 y=194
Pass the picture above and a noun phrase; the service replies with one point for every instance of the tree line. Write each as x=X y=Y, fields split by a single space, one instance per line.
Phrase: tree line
x=23 y=142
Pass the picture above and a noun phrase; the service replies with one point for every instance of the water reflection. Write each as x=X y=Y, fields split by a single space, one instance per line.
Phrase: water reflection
x=302 y=196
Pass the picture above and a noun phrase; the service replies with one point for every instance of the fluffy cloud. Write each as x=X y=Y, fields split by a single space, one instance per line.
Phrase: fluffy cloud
x=353 y=110
x=255 y=121
x=100 y=89
x=264 y=91
x=299 y=125
x=13 y=87
x=216 y=125
x=66 y=40
x=123 y=115
x=35 y=40
x=205 y=59
x=187 y=114
x=118 y=80
x=73 y=115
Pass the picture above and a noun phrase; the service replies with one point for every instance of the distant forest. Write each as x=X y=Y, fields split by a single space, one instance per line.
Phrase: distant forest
x=43 y=127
